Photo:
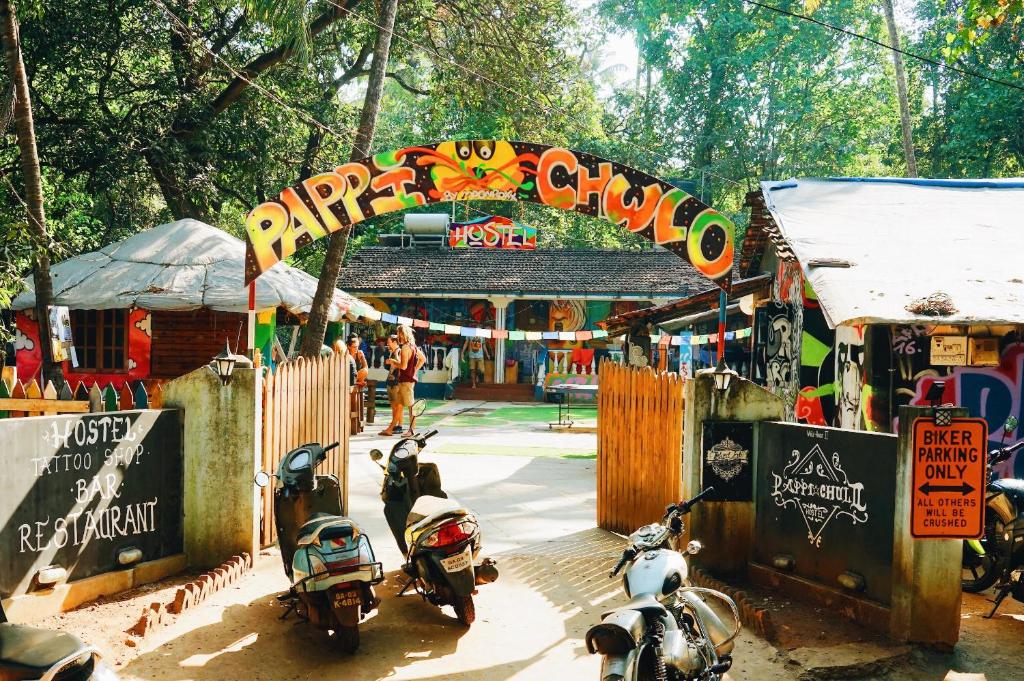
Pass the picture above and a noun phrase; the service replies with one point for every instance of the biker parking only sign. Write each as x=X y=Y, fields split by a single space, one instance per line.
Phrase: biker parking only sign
x=949 y=468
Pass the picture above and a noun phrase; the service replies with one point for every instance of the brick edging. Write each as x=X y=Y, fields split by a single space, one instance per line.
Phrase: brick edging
x=752 y=617
x=191 y=594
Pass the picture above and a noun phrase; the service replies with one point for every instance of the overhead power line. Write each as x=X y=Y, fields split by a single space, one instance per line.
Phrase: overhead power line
x=879 y=43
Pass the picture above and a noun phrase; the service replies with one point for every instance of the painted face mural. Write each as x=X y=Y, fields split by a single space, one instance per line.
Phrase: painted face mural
x=490 y=170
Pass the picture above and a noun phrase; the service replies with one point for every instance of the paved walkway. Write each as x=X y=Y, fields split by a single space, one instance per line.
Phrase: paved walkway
x=537 y=516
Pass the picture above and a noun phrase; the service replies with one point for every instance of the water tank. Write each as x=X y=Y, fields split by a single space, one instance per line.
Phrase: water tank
x=426 y=223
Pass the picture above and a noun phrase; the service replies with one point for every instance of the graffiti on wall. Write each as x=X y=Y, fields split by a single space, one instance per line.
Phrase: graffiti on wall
x=849 y=374
x=490 y=170
x=29 y=357
x=779 y=347
x=492 y=232
x=991 y=393
x=816 y=403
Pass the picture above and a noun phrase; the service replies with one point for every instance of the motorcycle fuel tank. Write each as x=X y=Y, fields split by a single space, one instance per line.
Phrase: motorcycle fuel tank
x=659 y=573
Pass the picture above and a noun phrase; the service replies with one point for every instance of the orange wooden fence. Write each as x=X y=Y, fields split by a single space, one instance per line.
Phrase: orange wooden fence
x=639 y=445
x=305 y=401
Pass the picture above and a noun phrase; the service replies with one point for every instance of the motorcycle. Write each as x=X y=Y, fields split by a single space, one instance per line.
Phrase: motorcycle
x=328 y=559
x=1000 y=547
x=667 y=631
x=439 y=537
x=46 y=655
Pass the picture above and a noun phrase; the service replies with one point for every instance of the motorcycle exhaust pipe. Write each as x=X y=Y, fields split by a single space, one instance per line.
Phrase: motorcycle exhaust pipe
x=486 y=571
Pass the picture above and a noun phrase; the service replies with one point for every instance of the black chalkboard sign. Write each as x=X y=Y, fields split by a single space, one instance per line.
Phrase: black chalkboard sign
x=79 y=489
x=826 y=497
x=727 y=460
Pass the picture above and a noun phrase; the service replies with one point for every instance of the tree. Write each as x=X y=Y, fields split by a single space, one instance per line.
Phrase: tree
x=33 y=183
x=901 y=89
x=316 y=326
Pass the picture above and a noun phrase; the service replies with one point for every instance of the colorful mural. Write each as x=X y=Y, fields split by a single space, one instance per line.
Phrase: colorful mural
x=492 y=232
x=140 y=336
x=991 y=393
x=849 y=373
x=490 y=170
x=816 y=402
x=567 y=315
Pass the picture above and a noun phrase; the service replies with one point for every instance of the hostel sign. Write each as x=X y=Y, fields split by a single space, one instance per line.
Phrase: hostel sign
x=949 y=465
x=492 y=232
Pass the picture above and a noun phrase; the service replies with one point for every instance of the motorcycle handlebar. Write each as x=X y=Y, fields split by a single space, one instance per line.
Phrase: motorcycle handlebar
x=330 y=447
x=429 y=435
x=627 y=555
x=685 y=506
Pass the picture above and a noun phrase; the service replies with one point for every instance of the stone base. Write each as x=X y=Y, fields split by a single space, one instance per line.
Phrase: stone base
x=63 y=597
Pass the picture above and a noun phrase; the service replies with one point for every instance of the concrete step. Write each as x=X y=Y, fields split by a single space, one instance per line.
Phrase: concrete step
x=495 y=392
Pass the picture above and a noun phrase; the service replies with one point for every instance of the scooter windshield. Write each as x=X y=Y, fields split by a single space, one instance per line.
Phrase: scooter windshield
x=299 y=461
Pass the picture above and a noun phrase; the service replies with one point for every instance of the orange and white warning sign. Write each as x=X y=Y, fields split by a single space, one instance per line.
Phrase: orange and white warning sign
x=949 y=469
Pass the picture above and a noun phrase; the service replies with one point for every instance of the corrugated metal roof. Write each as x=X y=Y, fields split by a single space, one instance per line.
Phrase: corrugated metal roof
x=875 y=249
x=182 y=265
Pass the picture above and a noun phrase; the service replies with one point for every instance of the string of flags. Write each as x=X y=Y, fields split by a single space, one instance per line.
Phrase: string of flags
x=371 y=313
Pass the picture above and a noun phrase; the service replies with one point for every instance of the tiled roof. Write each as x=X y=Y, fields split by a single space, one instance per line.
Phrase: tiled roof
x=554 y=271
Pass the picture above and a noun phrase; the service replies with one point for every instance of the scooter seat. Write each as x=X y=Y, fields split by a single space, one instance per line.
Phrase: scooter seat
x=1011 y=487
x=27 y=652
x=428 y=509
x=326 y=526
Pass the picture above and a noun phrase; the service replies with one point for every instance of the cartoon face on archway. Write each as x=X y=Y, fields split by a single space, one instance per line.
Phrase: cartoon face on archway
x=494 y=170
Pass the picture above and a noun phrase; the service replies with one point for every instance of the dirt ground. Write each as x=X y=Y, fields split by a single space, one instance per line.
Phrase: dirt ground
x=537 y=519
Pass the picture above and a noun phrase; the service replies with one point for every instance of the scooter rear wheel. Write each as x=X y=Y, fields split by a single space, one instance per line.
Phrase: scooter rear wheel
x=465 y=609
x=346 y=639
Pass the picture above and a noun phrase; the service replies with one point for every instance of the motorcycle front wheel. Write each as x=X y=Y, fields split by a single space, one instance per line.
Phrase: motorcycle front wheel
x=978 y=572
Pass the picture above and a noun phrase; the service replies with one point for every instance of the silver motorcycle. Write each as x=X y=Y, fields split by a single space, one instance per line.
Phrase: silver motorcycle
x=667 y=631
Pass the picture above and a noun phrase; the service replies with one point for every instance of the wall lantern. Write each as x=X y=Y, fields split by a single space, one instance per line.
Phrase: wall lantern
x=225 y=363
x=723 y=376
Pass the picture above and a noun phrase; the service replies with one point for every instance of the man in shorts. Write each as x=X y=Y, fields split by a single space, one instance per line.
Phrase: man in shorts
x=391 y=363
x=476 y=352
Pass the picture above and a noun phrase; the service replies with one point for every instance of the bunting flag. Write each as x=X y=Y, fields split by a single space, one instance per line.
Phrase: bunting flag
x=360 y=309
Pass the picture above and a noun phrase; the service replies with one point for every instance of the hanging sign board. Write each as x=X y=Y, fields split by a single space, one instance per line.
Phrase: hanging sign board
x=492 y=232
x=949 y=467
x=949 y=351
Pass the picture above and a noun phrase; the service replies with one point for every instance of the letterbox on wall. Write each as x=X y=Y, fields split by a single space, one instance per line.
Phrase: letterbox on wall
x=949 y=350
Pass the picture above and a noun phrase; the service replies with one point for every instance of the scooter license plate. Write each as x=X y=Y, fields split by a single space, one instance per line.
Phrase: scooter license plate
x=458 y=562
x=347 y=599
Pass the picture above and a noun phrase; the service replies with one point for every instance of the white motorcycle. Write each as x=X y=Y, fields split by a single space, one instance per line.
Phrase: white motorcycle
x=667 y=631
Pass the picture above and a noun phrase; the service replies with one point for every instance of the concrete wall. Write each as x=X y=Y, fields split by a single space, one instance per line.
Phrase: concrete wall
x=223 y=435
x=726 y=528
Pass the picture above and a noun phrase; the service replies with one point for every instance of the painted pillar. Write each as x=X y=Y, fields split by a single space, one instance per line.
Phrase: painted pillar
x=926 y=572
x=500 y=306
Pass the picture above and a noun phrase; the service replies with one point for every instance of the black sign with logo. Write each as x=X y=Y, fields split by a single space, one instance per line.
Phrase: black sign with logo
x=826 y=498
x=78 y=490
x=727 y=460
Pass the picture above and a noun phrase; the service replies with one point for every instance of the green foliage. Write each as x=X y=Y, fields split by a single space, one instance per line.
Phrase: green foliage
x=977 y=21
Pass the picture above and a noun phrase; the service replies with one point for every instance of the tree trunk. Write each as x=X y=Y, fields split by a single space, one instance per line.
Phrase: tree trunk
x=33 y=182
x=316 y=327
x=901 y=89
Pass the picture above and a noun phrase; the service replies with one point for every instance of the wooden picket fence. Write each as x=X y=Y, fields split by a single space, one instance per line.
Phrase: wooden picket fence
x=18 y=399
x=639 y=445
x=305 y=401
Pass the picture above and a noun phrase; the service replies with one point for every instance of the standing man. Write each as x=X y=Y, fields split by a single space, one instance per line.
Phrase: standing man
x=476 y=352
x=392 y=363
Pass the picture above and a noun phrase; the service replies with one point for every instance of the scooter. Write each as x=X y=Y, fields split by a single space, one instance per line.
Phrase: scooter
x=328 y=559
x=667 y=631
x=439 y=537
x=45 y=655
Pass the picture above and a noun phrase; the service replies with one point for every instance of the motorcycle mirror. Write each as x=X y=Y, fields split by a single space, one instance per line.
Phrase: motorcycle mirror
x=1010 y=425
x=694 y=547
x=262 y=479
x=376 y=454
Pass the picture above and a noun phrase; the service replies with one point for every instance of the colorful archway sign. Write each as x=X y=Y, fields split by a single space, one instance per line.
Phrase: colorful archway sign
x=493 y=170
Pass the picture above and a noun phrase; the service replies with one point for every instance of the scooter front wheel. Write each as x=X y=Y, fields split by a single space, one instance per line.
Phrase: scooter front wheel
x=465 y=609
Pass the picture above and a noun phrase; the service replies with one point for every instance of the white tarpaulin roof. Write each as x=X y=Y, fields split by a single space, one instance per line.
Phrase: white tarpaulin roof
x=182 y=265
x=906 y=240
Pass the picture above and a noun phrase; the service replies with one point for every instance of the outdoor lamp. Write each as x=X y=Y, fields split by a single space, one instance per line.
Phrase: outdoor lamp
x=225 y=362
x=723 y=376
